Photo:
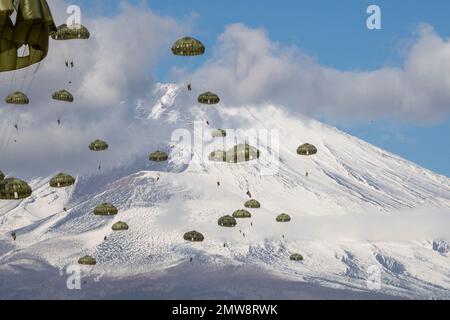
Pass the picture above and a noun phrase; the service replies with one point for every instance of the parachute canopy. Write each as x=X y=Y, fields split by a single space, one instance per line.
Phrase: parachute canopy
x=219 y=133
x=193 y=236
x=62 y=180
x=62 y=95
x=252 y=204
x=296 y=257
x=74 y=31
x=105 y=209
x=158 y=156
x=208 y=98
x=227 y=221
x=188 y=47
x=98 y=145
x=87 y=260
x=307 y=150
x=242 y=214
x=238 y=154
x=120 y=226
x=283 y=218
x=17 y=98
x=2 y=176
x=33 y=25
x=14 y=189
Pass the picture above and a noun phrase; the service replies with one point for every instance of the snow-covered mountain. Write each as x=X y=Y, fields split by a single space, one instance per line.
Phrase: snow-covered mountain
x=359 y=207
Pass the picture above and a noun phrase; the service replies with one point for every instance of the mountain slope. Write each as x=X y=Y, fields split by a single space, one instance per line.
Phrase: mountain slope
x=358 y=207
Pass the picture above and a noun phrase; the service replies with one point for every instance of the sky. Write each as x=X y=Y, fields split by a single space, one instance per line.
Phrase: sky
x=389 y=87
x=335 y=34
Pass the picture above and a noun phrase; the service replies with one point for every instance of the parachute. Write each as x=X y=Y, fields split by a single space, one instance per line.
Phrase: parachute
x=253 y=204
x=72 y=32
x=62 y=180
x=219 y=133
x=238 y=154
x=120 y=226
x=283 y=218
x=34 y=23
x=2 y=176
x=227 y=222
x=193 y=236
x=87 y=260
x=242 y=214
x=208 y=98
x=188 y=46
x=158 y=156
x=296 y=257
x=18 y=98
x=98 y=145
x=307 y=150
x=62 y=95
x=105 y=209
x=14 y=189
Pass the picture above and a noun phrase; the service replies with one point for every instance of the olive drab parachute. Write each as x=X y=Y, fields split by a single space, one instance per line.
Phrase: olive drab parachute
x=62 y=180
x=219 y=133
x=2 y=176
x=32 y=28
x=296 y=257
x=307 y=150
x=283 y=218
x=238 y=154
x=120 y=226
x=14 y=189
x=193 y=236
x=208 y=98
x=227 y=222
x=218 y=156
x=252 y=204
x=188 y=47
x=242 y=214
x=18 y=98
x=72 y=32
x=62 y=95
x=98 y=145
x=106 y=209
x=158 y=156
x=87 y=260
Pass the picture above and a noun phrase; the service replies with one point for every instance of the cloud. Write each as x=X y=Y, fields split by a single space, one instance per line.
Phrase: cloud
x=249 y=68
x=113 y=71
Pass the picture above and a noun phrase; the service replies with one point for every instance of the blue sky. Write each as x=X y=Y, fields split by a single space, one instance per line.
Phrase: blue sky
x=334 y=33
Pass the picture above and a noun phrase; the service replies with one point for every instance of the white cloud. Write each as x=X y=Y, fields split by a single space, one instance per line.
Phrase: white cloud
x=249 y=68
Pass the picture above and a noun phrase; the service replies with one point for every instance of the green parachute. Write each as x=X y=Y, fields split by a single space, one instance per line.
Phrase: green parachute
x=158 y=156
x=18 y=98
x=188 y=46
x=62 y=180
x=296 y=257
x=105 y=209
x=252 y=204
x=87 y=261
x=219 y=133
x=72 y=32
x=283 y=218
x=208 y=98
x=193 y=236
x=120 y=226
x=62 y=95
x=242 y=214
x=32 y=28
x=14 y=189
x=227 y=222
x=307 y=150
x=98 y=145
x=238 y=154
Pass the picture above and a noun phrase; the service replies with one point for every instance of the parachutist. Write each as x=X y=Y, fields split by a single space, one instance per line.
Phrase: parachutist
x=218 y=184
x=207 y=122
x=99 y=168
x=106 y=238
x=307 y=174
x=249 y=194
x=67 y=64
x=189 y=87
x=71 y=64
x=13 y=235
x=190 y=260
x=59 y=122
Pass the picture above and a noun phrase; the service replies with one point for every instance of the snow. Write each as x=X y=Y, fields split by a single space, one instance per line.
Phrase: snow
x=360 y=206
